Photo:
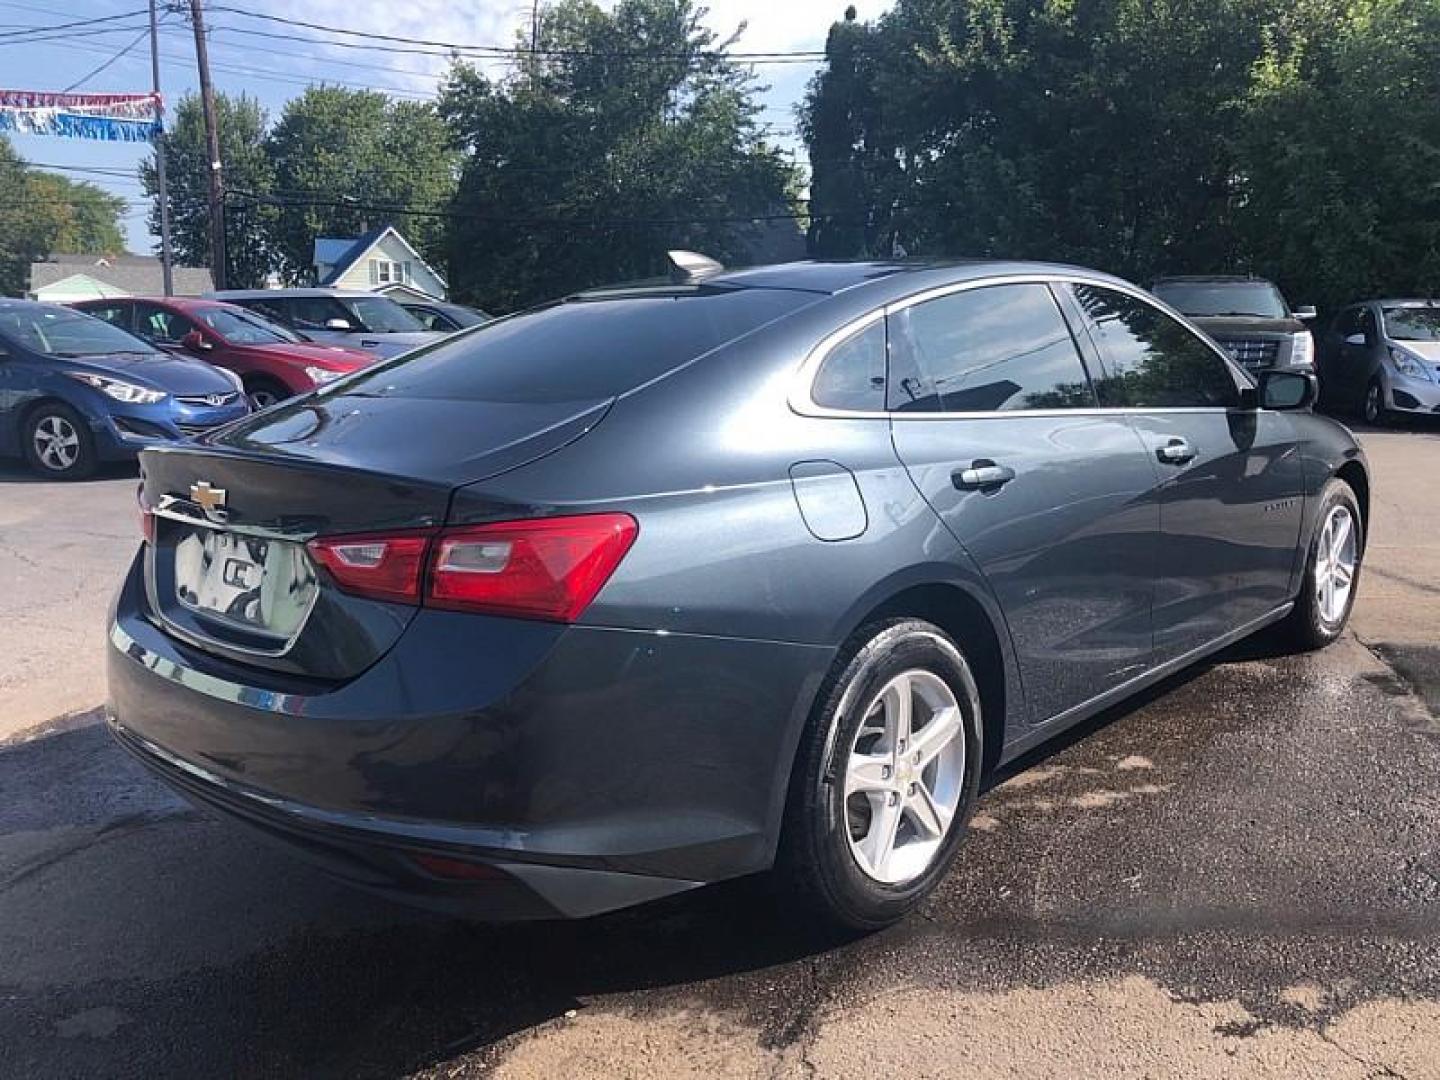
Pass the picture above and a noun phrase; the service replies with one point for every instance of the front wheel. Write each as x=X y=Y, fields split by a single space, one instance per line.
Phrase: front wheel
x=1372 y=409
x=58 y=443
x=265 y=392
x=885 y=777
x=1332 y=570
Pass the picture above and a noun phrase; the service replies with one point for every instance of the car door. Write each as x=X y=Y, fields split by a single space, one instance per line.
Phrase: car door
x=1228 y=480
x=995 y=418
x=1352 y=345
x=161 y=327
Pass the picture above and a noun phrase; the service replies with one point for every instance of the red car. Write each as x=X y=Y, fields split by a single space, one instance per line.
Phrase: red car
x=274 y=362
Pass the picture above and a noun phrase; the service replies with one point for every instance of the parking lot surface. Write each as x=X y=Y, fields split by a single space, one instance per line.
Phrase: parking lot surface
x=1238 y=875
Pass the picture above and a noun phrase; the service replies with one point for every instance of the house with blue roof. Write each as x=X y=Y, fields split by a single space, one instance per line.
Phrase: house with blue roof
x=380 y=261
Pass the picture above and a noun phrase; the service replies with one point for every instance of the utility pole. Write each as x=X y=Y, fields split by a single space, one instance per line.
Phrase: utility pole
x=212 y=148
x=166 y=258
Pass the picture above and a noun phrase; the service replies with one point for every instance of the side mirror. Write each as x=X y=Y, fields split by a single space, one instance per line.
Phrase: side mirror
x=1307 y=312
x=337 y=324
x=1287 y=390
x=1357 y=340
x=195 y=341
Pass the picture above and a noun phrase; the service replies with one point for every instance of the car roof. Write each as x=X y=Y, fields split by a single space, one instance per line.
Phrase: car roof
x=885 y=279
x=270 y=294
x=1212 y=279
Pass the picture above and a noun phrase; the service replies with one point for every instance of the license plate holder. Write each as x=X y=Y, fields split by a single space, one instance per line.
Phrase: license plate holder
x=256 y=584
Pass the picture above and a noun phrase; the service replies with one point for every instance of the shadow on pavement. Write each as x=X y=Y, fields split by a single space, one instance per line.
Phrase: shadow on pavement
x=17 y=472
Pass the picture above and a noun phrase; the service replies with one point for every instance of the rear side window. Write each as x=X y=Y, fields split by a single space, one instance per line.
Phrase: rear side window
x=990 y=349
x=1151 y=360
x=580 y=350
x=852 y=375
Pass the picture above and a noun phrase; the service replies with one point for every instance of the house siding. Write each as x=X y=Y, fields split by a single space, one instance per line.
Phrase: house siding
x=360 y=276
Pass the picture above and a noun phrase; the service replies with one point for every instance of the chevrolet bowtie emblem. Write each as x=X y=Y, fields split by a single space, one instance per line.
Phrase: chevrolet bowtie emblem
x=206 y=497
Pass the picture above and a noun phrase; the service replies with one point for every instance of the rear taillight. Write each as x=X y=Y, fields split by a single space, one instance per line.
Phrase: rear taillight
x=543 y=568
x=147 y=516
x=380 y=566
x=546 y=568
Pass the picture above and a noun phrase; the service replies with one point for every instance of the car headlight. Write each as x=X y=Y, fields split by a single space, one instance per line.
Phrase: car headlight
x=1302 y=352
x=320 y=376
x=129 y=393
x=1406 y=364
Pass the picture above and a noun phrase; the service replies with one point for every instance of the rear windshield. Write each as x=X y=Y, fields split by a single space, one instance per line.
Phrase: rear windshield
x=580 y=350
x=1258 y=299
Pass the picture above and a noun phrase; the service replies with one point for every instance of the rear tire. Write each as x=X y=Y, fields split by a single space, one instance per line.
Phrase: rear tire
x=877 y=809
x=265 y=392
x=1332 y=571
x=58 y=443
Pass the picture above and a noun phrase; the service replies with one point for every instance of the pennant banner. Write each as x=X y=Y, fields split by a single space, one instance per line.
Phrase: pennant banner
x=112 y=117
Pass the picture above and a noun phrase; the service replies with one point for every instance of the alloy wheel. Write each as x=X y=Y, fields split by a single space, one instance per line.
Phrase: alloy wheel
x=57 y=443
x=1372 y=403
x=904 y=777
x=262 y=398
x=1336 y=556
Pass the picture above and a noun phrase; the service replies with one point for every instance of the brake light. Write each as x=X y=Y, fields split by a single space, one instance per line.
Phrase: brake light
x=147 y=516
x=544 y=568
x=380 y=566
x=541 y=568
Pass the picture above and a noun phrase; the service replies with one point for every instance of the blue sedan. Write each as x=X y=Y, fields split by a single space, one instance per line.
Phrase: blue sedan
x=75 y=391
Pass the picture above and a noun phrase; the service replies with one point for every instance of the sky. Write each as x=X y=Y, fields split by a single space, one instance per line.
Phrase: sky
x=274 y=71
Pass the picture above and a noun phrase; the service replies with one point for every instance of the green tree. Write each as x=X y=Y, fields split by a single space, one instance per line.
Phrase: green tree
x=347 y=160
x=625 y=134
x=248 y=173
x=42 y=213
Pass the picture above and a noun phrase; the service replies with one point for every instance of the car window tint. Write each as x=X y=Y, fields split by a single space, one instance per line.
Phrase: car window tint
x=994 y=348
x=156 y=324
x=313 y=312
x=114 y=314
x=1151 y=360
x=278 y=310
x=852 y=375
x=581 y=350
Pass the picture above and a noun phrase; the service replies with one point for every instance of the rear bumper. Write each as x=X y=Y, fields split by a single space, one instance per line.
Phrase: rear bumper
x=594 y=768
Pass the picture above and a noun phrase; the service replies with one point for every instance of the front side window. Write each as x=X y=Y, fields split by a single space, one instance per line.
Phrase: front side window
x=155 y=324
x=313 y=312
x=1151 y=360
x=244 y=329
x=988 y=349
x=852 y=375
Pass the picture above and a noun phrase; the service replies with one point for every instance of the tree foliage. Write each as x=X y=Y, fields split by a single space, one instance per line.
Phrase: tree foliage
x=1291 y=138
x=42 y=213
x=625 y=134
x=343 y=158
x=242 y=126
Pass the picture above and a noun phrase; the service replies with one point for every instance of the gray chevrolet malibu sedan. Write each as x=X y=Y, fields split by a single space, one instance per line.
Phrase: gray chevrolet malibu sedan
x=662 y=585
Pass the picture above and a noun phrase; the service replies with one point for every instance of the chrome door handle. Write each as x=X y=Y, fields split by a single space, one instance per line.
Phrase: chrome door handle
x=982 y=475
x=1176 y=452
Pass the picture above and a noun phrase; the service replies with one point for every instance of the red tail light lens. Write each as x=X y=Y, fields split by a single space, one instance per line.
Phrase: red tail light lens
x=545 y=568
x=382 y=567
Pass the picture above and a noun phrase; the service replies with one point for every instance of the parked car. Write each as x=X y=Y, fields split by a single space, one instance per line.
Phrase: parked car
x=358 y=319
x=75 y=391
x=272 y=361
x=1248 y=316
x=443 y=316
x=764 y=568
x=1382 y=358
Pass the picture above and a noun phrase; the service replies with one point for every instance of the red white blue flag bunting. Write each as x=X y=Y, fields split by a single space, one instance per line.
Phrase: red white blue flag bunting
x=113 y=117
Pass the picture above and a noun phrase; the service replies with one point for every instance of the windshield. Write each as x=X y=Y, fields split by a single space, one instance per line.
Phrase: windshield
x=61 y=332
x=581 y=350
x=245 y=329
x=1412 y=323
x=381 y=315
x=1256 y=299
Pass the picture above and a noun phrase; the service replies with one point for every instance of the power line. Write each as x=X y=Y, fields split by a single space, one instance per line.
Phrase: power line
x=108 y=63
x=77 y=23
x=500 y=51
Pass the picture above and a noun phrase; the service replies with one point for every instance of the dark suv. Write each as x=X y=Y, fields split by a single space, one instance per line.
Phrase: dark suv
x=1248 y=316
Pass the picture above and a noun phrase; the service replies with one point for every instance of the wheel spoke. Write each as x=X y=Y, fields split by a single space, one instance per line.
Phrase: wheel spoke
x=868 y=773
x=938 y=733
x=1340 y=535
x=1343 y=575
x=929 y=817
x=880 y=838
x=899 y=701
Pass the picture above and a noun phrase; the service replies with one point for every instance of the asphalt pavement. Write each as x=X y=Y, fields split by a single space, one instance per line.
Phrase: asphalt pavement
x=1238 y=875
